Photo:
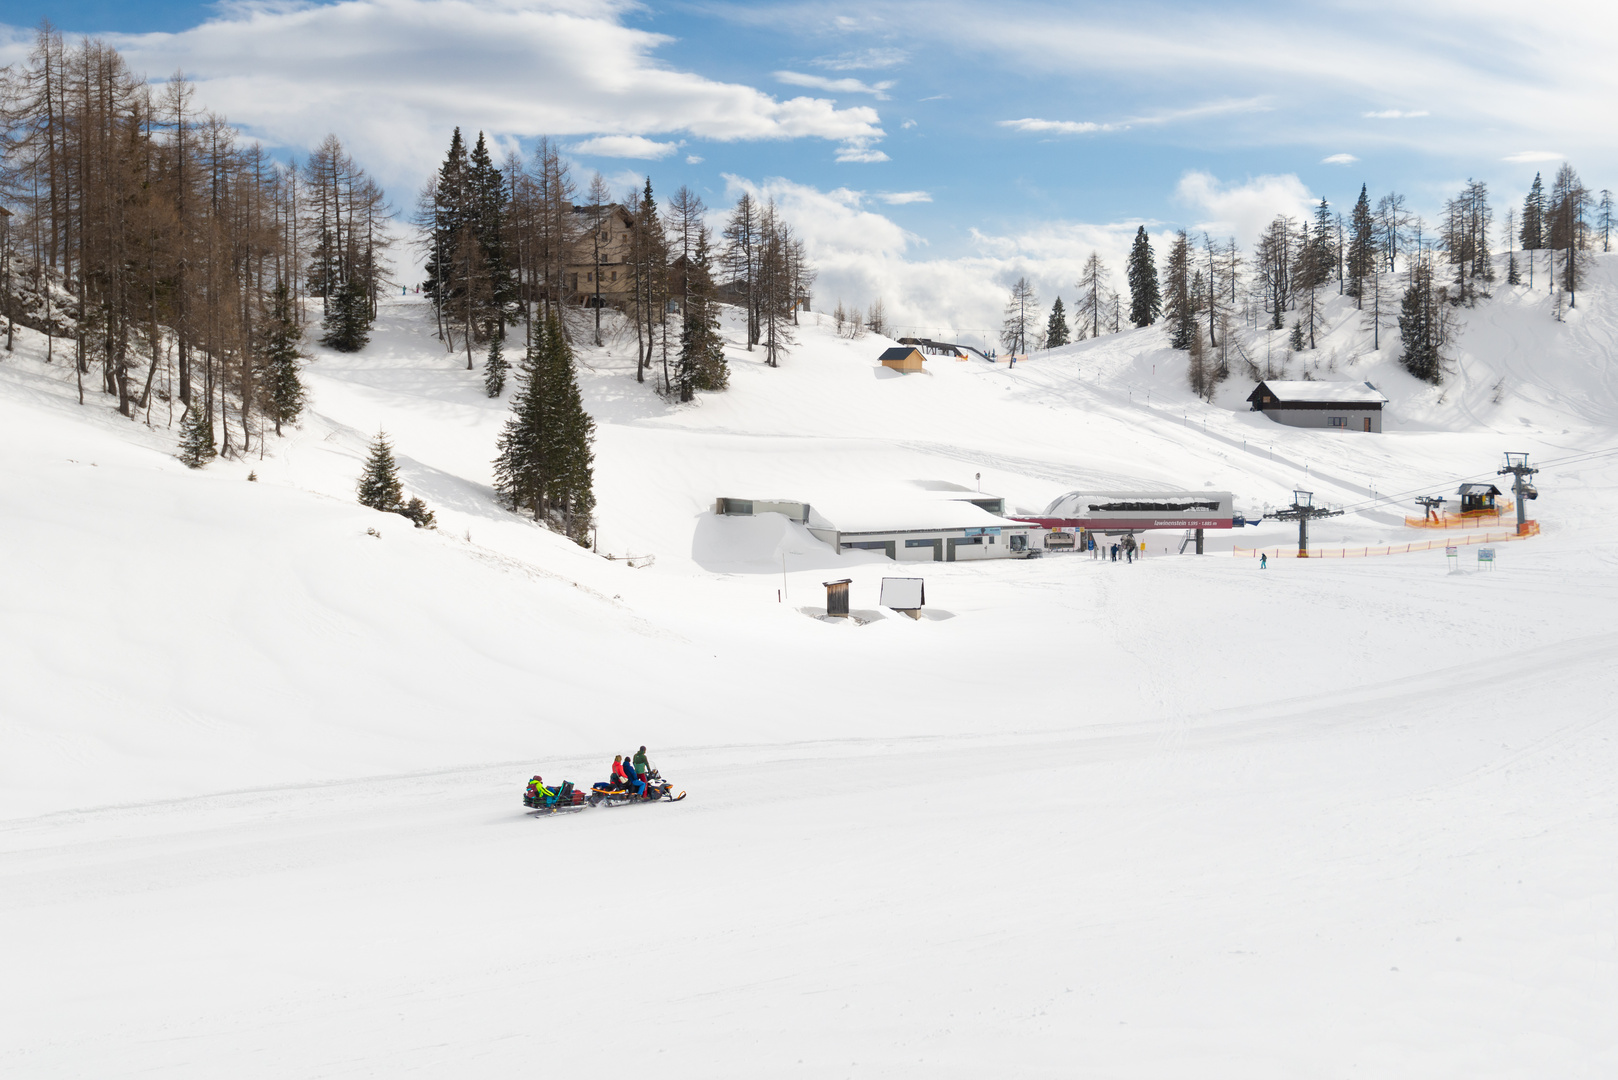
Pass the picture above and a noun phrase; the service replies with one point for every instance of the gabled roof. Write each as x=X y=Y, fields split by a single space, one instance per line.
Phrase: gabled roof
x=899 y=352
x=1479 y=489
x=1344 y=393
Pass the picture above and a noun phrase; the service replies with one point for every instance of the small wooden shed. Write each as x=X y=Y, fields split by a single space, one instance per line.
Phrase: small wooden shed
x=903 y=358
x=837 y=596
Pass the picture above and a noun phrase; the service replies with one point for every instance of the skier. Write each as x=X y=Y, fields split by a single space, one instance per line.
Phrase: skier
x=1263 y=561
x=1129 y=548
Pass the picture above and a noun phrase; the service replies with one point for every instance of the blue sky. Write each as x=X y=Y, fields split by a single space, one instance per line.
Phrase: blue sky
x=929 y=151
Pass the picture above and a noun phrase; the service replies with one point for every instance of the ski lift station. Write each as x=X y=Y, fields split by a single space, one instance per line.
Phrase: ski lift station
x=923 y=521
x=1137 y=511
x=1336 y=406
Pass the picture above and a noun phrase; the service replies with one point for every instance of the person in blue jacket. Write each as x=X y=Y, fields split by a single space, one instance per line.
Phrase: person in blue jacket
x=634 y=777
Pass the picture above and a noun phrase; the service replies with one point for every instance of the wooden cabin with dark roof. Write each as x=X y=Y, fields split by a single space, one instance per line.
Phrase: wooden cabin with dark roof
x=903 y=358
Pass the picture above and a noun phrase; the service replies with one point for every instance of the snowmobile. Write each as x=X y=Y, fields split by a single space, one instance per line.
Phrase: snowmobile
x=614 y=794
x=566 y=798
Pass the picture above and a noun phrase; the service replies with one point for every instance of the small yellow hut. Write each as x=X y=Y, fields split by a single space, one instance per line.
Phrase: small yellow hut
x=903 y=358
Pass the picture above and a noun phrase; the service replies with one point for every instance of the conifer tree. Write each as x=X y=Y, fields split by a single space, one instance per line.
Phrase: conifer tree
x=379 y=486
x=486 y=194
x=545 y=461
x=1361 y=248
x=1056 y=332
x=702 y=351
x=196 y=436
x=1179 y=313
x=1421 y=326
x=348 y=324
x=1145 y=301
x=495 y=367
x=281 y=388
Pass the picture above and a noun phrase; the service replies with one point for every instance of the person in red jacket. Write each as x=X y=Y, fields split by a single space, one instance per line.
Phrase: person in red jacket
x=619 y=777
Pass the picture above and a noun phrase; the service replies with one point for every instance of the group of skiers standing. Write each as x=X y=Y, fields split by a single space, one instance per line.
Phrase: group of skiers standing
x=1128 y=548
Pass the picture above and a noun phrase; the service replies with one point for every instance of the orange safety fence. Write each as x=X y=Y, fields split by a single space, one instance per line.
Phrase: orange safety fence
x=1471 y=519
x=1530 y=528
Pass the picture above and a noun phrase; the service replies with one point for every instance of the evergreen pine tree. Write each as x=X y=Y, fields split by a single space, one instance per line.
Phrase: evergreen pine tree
x=1361 y=248
x=348 y=325
x=487 y=195
x=1421 y=326
x=1532 y=236
x=576 y=502
x=1056 y=332
x=702 y=363
x=1297 y=340
x=196 y=436
x=1178 y=301
x=495 y=367
x=282 y=390
x=420 y=516
x=545 y=463
x=448 y=213
x=1145 y=302
x=520 y=473
x=379 y=486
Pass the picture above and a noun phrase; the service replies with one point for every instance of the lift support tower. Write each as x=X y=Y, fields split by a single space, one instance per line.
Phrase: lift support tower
x=1517 y=466
x=1301 y=510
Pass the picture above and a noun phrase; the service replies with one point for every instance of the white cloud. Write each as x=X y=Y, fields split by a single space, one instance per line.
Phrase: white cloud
x=625 y=146
x=1529 y=156
x=904 y=198
x=907 y=125
x=391 y=77
x=869 y=59
x=693 y=159
x=1395 y=114
x=1056 y=127
x=1339 y=159
x=1243 y=210
x=860 y=151
x=1164 y=116
x=836 y=86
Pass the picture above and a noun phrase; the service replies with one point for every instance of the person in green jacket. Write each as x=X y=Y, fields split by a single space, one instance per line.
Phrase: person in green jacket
x=642 y=766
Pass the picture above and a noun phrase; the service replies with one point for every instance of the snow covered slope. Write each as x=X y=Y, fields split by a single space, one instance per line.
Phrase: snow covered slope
x=261 y=767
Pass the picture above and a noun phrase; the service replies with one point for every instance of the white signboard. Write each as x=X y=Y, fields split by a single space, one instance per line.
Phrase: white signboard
x=904 y=593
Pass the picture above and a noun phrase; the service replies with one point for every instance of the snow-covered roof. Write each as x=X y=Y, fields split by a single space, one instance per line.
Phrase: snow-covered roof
x=1284 y=390
x=903 y=513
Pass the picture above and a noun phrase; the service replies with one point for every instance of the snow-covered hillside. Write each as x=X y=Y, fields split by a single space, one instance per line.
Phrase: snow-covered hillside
x=261 y=769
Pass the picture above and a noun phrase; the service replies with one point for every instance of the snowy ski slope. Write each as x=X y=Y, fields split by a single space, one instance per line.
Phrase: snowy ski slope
x=259 y=797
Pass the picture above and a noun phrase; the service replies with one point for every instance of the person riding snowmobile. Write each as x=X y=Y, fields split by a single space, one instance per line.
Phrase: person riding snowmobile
x=537 y=788
x=642 y=766
x=632 y=779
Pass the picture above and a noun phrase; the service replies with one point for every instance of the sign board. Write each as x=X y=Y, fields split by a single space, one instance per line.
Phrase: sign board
x=1485 y=554
x=1451 y=550
x=904 y=593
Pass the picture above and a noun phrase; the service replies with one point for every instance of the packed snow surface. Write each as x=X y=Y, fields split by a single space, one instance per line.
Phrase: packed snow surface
x=263 y=748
